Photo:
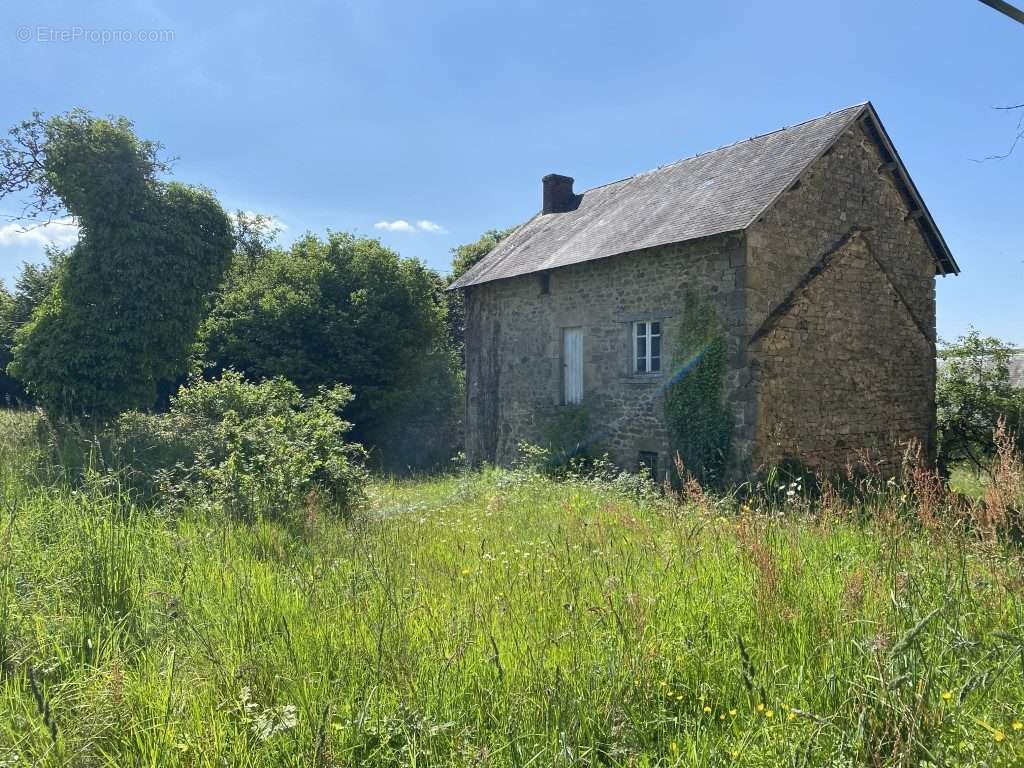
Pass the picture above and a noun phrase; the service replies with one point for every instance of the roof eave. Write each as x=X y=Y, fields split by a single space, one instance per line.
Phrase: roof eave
x=944 y=260
x=466 y=279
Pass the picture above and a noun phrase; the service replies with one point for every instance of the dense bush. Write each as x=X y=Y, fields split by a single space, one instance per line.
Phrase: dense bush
x=126 y=303
x=345 y=310
x=256 y=450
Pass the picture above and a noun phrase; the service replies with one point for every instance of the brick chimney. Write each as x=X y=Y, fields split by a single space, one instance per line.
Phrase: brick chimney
x=558 y=194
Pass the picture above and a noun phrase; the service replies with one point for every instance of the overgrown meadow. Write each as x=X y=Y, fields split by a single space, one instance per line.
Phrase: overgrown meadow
x=504 y=618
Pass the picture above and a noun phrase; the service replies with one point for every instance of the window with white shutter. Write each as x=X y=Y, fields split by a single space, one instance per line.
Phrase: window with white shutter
x=572 y=366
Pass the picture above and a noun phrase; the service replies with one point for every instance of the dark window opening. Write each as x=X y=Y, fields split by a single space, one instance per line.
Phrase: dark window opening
x=545 y=282
x=649 y=464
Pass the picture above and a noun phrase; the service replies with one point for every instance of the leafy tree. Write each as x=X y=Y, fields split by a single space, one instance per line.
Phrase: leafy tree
x=129 y=297
x=345 y=310
x=255 y=235
x=973 y=393
x=33 y=285
x=467 y=255
x=464 y=257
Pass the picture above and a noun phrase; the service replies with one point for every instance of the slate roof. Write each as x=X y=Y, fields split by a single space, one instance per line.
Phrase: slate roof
x=721 y=191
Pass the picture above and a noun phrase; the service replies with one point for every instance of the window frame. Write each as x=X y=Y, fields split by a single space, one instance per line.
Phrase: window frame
x=647 y=337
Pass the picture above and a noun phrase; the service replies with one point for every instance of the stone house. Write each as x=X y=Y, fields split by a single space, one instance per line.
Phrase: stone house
x=814 y=250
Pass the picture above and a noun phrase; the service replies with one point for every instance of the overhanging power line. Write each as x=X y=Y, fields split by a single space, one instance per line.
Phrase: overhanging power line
x=1005 y=8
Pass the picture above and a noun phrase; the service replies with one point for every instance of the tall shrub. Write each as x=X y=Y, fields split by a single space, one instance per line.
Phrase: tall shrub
x=256 y=450
x=128 y=299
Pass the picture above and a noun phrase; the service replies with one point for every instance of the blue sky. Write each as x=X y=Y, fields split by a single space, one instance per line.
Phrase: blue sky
x=344 y=115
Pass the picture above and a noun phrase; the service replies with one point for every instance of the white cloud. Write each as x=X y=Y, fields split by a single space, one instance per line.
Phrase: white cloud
x=60 y=232
x=401 y=225
x=398 y=225
x=428 y=226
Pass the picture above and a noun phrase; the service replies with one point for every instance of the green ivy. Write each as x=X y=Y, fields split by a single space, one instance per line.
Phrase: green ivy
x=699 y=423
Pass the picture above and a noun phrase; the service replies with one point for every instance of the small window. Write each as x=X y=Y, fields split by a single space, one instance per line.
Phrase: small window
x=545 y=282
x=647 y=347
x=648 y=464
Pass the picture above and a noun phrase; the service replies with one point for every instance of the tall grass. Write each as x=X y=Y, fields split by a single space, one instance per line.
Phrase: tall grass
x=506 y=619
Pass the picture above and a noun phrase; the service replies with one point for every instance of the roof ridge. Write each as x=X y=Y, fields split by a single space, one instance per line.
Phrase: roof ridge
x=727 y=146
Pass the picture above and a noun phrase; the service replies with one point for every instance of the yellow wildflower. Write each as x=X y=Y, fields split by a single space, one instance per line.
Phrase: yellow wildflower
x=769 y=713
x=947 y=695
x=1017 y=725
x=732 y=713
x=675 y=747
x=760 y=707
x=707 y=709
x=465 y=571
x=791 y=716
x=998 y=735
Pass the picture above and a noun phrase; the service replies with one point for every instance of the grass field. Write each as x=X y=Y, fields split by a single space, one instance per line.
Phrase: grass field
x=503 y=619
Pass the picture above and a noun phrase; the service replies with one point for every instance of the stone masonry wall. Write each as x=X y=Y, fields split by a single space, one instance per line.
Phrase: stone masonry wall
x=514 y=338
x=841 y=315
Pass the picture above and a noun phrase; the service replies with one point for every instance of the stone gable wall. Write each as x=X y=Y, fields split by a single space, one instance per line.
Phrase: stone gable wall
x=514 y=336
x=850 y=366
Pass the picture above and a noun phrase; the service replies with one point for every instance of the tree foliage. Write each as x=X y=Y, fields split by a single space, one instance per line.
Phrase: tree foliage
x=467 y=255
x=973 y=392
x=33 y=285
x=10 y=388
x=127 y=301
x=345 y=310
x=464 y=257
